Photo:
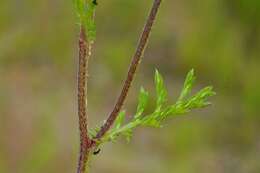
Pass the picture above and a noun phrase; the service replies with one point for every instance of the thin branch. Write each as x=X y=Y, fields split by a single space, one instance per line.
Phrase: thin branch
x=132 y=69
x=84 y=55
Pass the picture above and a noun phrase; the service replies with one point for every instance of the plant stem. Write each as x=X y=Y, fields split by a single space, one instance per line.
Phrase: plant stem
x=84 y=55
x=132 y=69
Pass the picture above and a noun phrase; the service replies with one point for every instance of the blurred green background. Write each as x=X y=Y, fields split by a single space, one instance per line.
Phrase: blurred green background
x=220 y=39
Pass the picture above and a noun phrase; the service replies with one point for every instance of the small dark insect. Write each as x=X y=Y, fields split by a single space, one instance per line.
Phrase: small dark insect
x=97 y=151
x=95 y=2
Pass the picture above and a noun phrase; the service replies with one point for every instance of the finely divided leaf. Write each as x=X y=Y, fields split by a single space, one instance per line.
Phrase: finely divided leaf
x=120 y=119
x=142 y=102
x=199 y=100
x=163 y=111
x=160 y=89
x=188 y=84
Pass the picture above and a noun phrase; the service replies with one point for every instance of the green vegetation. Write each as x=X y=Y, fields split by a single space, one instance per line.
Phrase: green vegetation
x=220 y=39
x=85 y=11
x=162 y=111
x=114 y=125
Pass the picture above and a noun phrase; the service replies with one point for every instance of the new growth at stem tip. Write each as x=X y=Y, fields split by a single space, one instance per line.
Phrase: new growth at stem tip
x=85 y=10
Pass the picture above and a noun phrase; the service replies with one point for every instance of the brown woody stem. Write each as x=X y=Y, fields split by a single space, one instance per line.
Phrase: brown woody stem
x=132 y=69
x=84 y=55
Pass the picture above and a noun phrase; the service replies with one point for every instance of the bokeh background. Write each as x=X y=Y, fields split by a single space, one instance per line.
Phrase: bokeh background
x=220 y=39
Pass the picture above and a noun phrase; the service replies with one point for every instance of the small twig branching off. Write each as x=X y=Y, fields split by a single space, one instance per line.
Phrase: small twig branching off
x=132 y=69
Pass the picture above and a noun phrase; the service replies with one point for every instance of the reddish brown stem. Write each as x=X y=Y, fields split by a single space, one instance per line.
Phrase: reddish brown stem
x=84 y=54
x=132 y=69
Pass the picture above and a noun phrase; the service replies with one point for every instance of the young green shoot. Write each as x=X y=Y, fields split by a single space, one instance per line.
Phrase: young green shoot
x=163 y=110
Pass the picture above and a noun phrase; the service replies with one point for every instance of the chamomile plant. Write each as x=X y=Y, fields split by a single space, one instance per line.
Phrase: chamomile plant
x=115 y=125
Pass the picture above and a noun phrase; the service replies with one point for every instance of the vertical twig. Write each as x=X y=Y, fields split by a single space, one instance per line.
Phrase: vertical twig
x=132 y=69
x=84 y=55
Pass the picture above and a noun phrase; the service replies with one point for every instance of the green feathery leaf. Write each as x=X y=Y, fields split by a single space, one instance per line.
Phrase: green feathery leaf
x=188 y=84
x=162 y=111
x=142 y=102
x=120 y=119
x=160 y=89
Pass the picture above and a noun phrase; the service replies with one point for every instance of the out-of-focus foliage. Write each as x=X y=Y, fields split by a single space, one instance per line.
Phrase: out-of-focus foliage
x=38 y=57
